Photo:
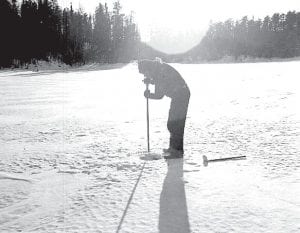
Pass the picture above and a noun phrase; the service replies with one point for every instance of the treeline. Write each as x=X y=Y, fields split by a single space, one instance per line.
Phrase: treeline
x=276 y=36
x=42 y=30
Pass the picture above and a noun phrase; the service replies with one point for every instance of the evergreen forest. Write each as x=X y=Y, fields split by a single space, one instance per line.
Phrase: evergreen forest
x=34 y=30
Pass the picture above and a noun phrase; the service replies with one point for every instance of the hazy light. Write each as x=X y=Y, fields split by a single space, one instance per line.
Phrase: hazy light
x=177 y=16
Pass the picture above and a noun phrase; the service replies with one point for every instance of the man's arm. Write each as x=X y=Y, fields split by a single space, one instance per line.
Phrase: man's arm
x=158 y=94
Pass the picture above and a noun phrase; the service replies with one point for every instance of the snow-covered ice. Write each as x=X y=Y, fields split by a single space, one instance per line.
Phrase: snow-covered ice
x=71 y=142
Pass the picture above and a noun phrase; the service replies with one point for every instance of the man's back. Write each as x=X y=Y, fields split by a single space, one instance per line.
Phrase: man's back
x=170 y=80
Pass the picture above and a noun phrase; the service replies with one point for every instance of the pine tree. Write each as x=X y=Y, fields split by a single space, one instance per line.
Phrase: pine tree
x=88 y=37
x=15 y=30
x=30 y=30
x=101 y=34
x=297 y=51
x=5 y=44
x=117 y=32
x=131 y=39
x=66 y=37
x=290 y=32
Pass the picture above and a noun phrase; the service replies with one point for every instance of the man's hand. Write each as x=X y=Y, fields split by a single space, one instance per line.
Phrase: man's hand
x=147 y=80
x=147 y=94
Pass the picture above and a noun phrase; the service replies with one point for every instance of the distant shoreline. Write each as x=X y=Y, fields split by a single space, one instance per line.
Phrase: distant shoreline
x=57 y=66
x=231 y=60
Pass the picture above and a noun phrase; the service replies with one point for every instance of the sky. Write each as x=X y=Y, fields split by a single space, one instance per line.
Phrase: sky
x=176 y=26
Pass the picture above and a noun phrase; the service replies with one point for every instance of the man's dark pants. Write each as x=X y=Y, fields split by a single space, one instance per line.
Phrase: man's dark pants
x=177 y=117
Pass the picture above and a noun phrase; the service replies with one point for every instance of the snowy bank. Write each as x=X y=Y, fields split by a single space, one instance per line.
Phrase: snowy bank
x=45 y=66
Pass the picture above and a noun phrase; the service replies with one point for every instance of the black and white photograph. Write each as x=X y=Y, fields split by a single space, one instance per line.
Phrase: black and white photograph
x=139 y=116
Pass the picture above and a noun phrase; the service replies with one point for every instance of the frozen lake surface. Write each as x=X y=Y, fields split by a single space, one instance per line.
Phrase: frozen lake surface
x=70 y=144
